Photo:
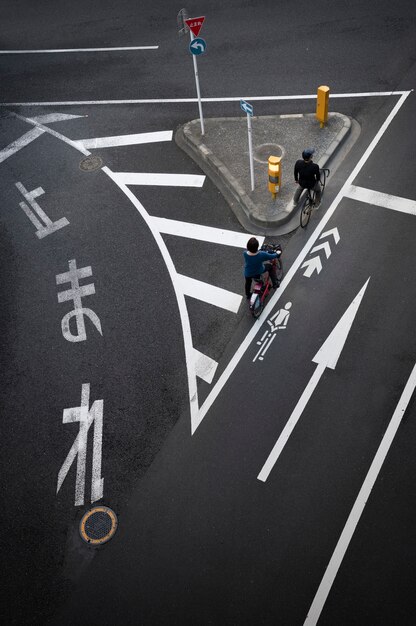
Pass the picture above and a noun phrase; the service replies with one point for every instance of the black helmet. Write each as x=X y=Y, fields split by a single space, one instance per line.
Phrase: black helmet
x=307 y=153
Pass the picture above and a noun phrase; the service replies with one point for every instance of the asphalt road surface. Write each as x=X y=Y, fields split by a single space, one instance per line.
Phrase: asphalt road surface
x=118 y=388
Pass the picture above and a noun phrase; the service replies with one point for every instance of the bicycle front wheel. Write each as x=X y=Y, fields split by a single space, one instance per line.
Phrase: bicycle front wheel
x=305 y=213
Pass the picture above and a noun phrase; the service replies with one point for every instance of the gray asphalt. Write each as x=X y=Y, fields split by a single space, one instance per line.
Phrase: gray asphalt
x=200 y=539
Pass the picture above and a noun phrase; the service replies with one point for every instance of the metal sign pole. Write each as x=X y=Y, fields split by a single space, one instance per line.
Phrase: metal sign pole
x=250 y=150
x=201 y=117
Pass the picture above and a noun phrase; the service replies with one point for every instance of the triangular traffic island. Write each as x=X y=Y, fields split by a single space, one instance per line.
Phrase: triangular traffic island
x=222 y=153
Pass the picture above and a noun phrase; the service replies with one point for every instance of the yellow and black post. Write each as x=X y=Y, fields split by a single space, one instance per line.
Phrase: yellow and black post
x=322 y=101
x=275 y=175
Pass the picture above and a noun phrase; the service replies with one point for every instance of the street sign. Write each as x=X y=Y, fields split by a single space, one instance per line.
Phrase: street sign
x=195 y=24
x=197 y=46
x=246 y=107
x=181 y=21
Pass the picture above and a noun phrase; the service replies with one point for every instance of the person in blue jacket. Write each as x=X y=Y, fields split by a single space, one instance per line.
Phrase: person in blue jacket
x=256 y=263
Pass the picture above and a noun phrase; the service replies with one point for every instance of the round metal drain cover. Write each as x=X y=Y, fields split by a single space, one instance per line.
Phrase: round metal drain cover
x=91 y=163
x=98 y=525
x=262 y=153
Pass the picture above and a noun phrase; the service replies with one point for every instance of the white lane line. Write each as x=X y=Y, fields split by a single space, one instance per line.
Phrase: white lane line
x=359 y=504
x=193 y=100
x=50 y=118
x=202 y=233
x=57 y=50
x=160 y=180
x=205 y=367
x=20 y=143
x=125 y=140
x=294 y=267
x=386 y=200
x=209 y=293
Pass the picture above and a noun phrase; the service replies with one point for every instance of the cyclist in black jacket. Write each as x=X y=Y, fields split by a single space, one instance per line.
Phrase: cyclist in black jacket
x=307 y=176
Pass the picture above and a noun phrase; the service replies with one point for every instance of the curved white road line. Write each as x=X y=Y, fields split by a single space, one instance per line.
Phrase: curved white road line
x=183 y=312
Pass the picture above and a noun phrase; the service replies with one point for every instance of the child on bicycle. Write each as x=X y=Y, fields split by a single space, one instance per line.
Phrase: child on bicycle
x=258 y=262
x=307 y=177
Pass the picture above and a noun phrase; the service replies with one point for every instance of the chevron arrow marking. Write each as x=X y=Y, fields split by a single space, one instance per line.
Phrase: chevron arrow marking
x=323 y=246
x=312 y=265
x=334 y=232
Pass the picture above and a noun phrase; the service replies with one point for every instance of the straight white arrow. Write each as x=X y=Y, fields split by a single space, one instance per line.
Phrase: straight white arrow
x=312 y=265
x=327 y=356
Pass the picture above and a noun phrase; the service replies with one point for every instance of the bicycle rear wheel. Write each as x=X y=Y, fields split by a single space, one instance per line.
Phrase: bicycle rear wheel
x=305 y=213
x=256 y=307
x=323 y=175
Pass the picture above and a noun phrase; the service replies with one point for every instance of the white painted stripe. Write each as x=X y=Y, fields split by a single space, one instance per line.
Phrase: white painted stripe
x=396 y=203
x=46 y=129
x=193 y=100
x=358 y=508
x=209 y=293
x=202 y=233
x=57 y=50
x=160 y=180
x=50 y=118
x=20 y=143
x=183 y=313
x=126 y=140
x=291 y=115
x=205 y=367
x=294 y=267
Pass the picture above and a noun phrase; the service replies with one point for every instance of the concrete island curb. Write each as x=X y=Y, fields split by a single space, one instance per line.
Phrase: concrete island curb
x=213 y=156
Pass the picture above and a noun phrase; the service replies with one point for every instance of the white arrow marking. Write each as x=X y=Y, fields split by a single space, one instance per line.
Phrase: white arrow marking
x=327 y=356
x=197 y=44
x=312 y=265
x=323 y=246
x=334 y=232
x=358 y=508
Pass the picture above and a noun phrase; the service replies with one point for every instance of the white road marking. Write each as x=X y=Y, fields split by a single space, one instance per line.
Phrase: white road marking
x=334 y=232
x=50 y=118
x=125 y=140
x=209 y=293
x=359 y=504
x=323 y=246
x=46 y=129
x=385 y=200
x=20 y=143
x=57 y=50
x=160 y=180
x=312 y=265
x=295 y=266
x=85 y=417
x=48 y=227
x=202 y=233
x=291 y=115
x=205 y=367
x=327 y=356
x=193 y=100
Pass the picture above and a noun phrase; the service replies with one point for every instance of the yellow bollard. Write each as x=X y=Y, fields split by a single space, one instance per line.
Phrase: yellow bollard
x=322 y=101
x=275 y=175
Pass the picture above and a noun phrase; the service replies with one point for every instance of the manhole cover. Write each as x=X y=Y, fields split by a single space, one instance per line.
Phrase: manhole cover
x=91 y=163
x=98 y=525
x=262 y=153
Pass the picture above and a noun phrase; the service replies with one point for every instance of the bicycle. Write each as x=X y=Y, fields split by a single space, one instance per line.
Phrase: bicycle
x=309 y=203
x=262 y=287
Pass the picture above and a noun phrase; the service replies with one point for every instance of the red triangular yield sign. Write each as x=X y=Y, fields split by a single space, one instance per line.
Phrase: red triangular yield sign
x=195 y=24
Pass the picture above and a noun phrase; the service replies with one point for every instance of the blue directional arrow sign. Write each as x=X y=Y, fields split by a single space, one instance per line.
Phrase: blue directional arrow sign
x=246 y=107
x=197 y=46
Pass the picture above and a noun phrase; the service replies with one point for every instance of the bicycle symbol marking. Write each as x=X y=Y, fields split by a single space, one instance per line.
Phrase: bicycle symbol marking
x=278 y=321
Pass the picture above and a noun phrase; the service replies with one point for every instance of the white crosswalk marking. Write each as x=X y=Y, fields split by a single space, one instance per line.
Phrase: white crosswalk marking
x=209 y=293
x=169 y=180
x=396 y=203
x=202 y=233
x=126 y=140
